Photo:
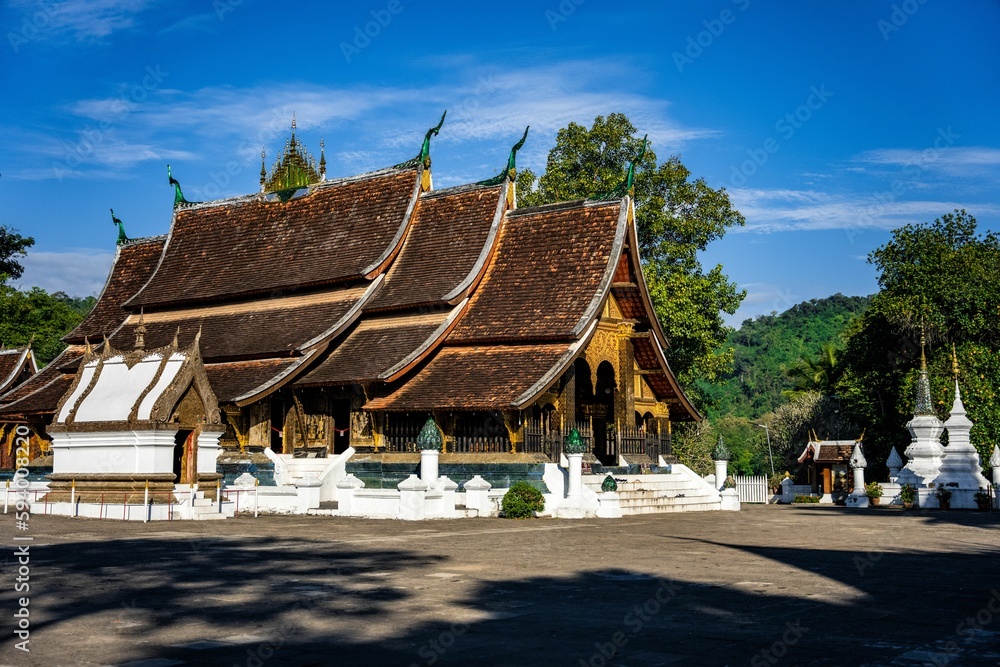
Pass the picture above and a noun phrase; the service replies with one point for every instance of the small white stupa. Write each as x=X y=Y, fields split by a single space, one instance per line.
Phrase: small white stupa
x=925 y=450
x=961 y=468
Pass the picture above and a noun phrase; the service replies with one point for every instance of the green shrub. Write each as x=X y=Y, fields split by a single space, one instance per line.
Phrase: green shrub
x=873 y=490
x=521 y=500
x=907 y=493
x=806 y=499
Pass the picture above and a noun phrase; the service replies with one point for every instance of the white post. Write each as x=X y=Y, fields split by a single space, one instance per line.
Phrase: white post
x=721 y=473
x=429 y=466
x=256 y=485
x=218 y=496
x=575 y=475
x=411 y=498
x=145 y=504
x=477 y=496
x=72 y=495
x=858 y=497
x=6 y=492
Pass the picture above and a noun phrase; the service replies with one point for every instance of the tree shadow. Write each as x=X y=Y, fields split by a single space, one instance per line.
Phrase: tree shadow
x=292 y=601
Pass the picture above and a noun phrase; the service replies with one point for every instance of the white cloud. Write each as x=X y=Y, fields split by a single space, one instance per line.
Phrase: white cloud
x=77 y=273
x=82 y=20
x=372 y=126
x=809 y=210
x=953 y=160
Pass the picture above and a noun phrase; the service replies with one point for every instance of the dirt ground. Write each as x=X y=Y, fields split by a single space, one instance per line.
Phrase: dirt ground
x=788 y=585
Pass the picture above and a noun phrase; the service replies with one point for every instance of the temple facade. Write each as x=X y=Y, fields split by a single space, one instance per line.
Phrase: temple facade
x=334 y=314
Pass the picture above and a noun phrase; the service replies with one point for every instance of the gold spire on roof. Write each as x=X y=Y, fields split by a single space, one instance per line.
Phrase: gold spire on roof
x=140 y=334
x=954 y=362
x=295 y=169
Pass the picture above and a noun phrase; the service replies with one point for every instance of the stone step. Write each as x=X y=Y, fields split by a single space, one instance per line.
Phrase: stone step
x=203 y=502
x=675 y=500
x=665 y=509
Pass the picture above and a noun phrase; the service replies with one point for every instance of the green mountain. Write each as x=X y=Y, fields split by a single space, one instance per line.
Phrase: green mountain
x=766 y=347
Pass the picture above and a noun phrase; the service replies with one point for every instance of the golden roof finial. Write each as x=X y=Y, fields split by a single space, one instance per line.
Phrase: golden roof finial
x=140 y=333
x=954 y=362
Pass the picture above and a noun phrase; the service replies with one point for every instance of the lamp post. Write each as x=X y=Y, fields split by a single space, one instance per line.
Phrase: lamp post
x=770 y=456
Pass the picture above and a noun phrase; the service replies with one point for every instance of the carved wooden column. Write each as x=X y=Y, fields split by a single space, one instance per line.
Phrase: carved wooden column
x=625 y=396
x=567 y=399
x=260 y=426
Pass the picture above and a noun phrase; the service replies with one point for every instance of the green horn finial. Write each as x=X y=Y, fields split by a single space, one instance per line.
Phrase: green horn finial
x=630 y=179
x=425 y=149
x=178 y=195
x=122 y=238
x=511 y=171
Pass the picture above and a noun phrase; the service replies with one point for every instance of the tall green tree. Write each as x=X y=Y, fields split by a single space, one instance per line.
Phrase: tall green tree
x=12 y=247
x=939 y=277
x=676 y=217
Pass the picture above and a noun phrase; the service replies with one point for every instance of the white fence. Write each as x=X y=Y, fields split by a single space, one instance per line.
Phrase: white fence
x=752 y=488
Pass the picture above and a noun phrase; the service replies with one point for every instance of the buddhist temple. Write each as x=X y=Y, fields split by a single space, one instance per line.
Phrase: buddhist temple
x=328 y=314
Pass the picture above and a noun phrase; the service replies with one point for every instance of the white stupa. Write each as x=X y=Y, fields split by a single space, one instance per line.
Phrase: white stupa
x=961 y=468
x=925 y=450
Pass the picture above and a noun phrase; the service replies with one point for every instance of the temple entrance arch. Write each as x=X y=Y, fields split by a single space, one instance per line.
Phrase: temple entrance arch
x=603 y=415
x=184 y=456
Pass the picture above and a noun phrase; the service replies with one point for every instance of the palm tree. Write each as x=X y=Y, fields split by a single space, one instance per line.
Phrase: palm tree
x=820 y=374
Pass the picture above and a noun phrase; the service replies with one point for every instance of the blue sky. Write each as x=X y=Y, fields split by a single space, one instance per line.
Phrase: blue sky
x=829 y=123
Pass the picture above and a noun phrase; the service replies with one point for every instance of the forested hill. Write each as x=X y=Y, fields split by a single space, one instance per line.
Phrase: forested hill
x=769 y=345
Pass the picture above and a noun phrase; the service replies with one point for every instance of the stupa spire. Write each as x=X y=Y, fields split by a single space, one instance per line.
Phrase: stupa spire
x=924 y=405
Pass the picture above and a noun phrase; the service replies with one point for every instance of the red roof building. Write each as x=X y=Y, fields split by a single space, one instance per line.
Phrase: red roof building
x=344 y=312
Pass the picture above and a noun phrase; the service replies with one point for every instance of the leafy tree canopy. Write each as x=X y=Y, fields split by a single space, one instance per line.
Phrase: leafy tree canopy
x=12 y=246
x=676 y=217
x=941 y=277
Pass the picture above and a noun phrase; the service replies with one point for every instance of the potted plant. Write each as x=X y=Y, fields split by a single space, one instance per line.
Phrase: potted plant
x=775 y=483
x=983 y=499
x=874 y=491
x=907 y=494
x=943 y=496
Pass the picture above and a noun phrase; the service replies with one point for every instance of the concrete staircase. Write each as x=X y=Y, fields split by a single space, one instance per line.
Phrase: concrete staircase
x=203 y=509
x=680 y=490
x=298 y=469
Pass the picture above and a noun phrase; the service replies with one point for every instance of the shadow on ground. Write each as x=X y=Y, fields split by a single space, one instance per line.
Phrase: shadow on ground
x=275 y=601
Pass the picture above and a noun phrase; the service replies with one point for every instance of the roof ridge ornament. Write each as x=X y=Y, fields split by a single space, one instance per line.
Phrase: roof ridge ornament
x=424 y=158
x=140 y=333
x=322 y=159
x=179 y=199
x=122 y=238
x=510 y=173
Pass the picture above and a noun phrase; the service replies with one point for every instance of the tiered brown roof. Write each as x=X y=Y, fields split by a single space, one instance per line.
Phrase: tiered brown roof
x=133 y=265
x=16 y=366
x=533 y=311
x=41 y=392
x=438 y=300
x=546 y=275
x=451 y=229
x=340 y=231
x=254 y=329
x=451 y=237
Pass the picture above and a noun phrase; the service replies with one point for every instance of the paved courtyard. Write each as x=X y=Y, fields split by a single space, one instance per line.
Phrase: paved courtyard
x=765 y=586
